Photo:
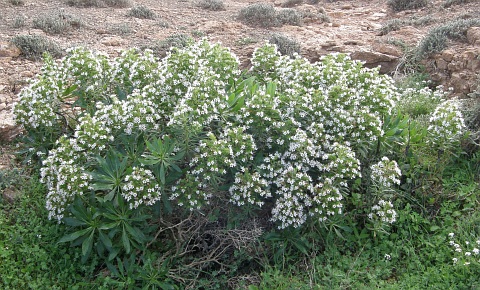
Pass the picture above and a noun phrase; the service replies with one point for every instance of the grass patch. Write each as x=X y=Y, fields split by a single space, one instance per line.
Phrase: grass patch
x=121 y=29
x=100 y=3
x=401 y=5
x=291 y=3
x=162 y=47
x=19 y=22
x=56 y=22
x=213 y=5
x=141 y=12
x=34 y=46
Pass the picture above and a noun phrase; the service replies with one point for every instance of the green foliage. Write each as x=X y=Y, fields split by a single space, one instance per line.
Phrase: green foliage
x=178 y=40
x=141 y=12
x=31 y=257
x=34 y=46
x=56 y=23
x=288 y=16
x=400 y=5
x=214 y=5
x=436 y=40
x=285 y=45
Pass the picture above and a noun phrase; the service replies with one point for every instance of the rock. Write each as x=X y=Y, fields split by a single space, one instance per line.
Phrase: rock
x=8 y=49
x=387 y=49
x=8 y=129
x=112 y=41
x=387 y=63
x=473 y=36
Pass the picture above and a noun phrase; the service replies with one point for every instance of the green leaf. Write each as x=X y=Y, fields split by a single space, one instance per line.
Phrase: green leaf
x=74 y=236
x=125 y=241
x=73 y=222
x=105 y=240
x=87 y=244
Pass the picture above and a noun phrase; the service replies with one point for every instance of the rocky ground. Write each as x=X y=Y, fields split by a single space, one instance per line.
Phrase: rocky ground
x=328 y=26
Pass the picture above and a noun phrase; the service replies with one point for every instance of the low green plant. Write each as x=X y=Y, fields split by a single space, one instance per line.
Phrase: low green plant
x=141 y=12
x=285 y=45
x=19 y=22
x=437 y=38
x=401 y=5
x=289 y=16
x=214 y=5
x=100 y=3
x=449 y=3
x=56 y=23
x=17 y=2
x=396 y=24
x=121 y=29
x=260 y=14
x=34 y=46
x=291 y=3
x=178 y=40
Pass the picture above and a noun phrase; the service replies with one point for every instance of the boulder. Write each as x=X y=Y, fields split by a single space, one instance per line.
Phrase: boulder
x=8 y=49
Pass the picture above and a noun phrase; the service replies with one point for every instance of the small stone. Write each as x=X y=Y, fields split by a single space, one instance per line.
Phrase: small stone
x=112 y=41
x=8 y=49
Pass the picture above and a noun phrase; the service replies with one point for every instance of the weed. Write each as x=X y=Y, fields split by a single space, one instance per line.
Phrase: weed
x=259 y=14
x=436 y=40
x=141 y=12
x=400 y=5
x=214 y=5
x=285 y=45
x=100 y=3
x=17 y=2
x=19 y=22
x=33 y=46
x=56 y=23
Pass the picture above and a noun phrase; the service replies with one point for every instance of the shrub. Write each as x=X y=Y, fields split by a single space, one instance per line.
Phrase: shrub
x=259 y=14
x=214 y=5
x=436 y=39
x=178 y=40
x=17 y=2
x=396 y=24
x=449 y=3
x=291 y=3
x=56 y=23
x=19 y=22
x=33 y=46
x=285 y=45
x=100 y=3
x=141 y=12
x=400 y=5
x=289 y=16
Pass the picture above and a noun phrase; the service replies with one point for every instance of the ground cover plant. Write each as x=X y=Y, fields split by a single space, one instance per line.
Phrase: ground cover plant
x=188 y=172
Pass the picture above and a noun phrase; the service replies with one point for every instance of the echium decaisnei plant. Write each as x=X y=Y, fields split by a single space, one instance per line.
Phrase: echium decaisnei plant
x=190 y=128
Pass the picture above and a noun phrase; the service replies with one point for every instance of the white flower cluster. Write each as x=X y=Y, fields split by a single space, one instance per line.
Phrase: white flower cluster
x=248 y=188
x=385 y=173
x=64 y=176
x=134 y=71
x=383 y=212
x=464 y=255
x=140 y=187
x=214 y=158
x=447 y=125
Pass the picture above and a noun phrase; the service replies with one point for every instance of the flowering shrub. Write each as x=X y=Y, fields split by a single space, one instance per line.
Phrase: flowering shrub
x=191 y=128
x=447 y=126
